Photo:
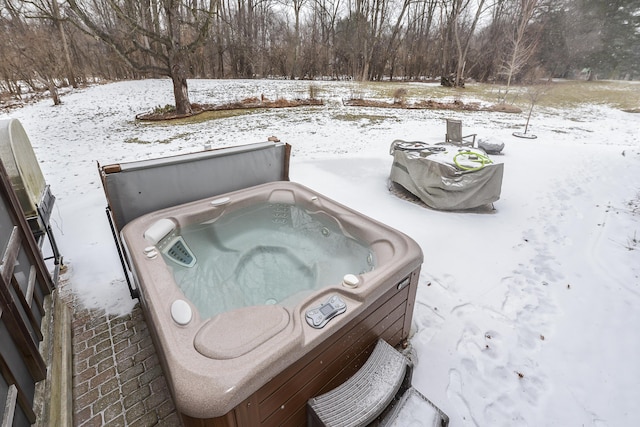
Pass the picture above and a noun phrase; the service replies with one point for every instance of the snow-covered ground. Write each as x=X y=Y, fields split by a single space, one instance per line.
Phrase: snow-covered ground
x=526 y=316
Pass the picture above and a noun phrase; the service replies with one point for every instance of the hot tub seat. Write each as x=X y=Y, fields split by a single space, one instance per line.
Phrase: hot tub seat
x=218 y=337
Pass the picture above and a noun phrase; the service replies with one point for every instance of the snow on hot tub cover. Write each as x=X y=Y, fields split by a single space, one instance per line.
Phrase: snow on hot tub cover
x=446 y=177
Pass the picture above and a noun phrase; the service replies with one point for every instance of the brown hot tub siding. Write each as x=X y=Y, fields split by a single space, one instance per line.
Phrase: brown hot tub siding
x=282 y=401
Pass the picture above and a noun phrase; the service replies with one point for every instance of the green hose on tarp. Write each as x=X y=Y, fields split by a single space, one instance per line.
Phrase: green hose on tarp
x=474 y=157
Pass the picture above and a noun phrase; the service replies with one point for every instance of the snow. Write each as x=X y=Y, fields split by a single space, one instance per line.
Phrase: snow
x=525 y=316
x=415 y=412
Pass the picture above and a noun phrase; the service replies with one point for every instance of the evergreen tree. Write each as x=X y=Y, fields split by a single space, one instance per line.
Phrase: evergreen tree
x=610 y=34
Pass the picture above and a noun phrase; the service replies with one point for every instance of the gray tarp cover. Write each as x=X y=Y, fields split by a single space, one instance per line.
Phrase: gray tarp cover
x=440 y=184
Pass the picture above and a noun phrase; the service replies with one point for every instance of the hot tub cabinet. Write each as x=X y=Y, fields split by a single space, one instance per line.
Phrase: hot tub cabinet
x=282 y=400
x=259 y=363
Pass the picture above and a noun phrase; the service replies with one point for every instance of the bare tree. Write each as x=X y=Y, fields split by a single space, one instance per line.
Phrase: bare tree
x=374 y=15
x=240 y=37
x=55 y=12
x=462 y=44
x=297 y=6
x=390 y=53
x=50 y=10
x=458 y=28
x=417 y=43
x=33 y=57
x=247 y=25
x=448 y=20
x=522 y=45
x=534 y=91
x=328 y=12
x=150 y=36
x=81 y=40
x=491 y=41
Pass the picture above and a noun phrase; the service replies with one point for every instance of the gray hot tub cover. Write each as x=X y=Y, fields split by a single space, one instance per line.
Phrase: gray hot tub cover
x=429 y=172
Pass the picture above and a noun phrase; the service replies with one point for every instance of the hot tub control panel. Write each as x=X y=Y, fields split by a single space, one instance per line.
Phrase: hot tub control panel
x=317 y=317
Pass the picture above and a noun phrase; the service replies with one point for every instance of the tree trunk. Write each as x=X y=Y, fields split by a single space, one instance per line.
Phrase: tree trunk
x=392 y=49
x=177 y=60
x=373 y=36
x=65 y=45
x=463 y=47
x=180 y=88
x=297 y=6
x=53 y=90
x=446 y=34
x=365 y=67
x=181 y=94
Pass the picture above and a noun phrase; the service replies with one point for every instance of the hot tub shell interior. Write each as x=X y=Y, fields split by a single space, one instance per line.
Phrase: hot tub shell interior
x=249 y=380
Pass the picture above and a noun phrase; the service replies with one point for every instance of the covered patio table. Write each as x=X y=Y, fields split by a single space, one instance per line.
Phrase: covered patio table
x=446 y=177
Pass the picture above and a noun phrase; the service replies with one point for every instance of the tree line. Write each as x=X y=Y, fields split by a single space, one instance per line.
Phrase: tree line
x=49 y=43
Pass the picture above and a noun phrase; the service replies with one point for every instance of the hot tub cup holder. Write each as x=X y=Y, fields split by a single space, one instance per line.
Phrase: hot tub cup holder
x=151 y=252
x=181 y=312
x=350 y=281
x=220 y=202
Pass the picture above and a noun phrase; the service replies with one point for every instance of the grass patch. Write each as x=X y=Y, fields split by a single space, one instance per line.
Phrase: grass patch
x=559 y=94
x=410 y=90
x=201 y=112
x=347 y=117
x=168 y=108
x=617 y=94
x=210 y=115
x=136 y=140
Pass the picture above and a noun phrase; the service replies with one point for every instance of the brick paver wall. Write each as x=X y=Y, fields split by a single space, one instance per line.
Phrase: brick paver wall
x=117 y=377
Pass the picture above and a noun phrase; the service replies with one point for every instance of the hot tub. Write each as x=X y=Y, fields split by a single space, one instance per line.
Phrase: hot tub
x=261 y=298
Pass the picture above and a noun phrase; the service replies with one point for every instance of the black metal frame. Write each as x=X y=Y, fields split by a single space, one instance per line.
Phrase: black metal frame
x=43 y=210
x=132 y=291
